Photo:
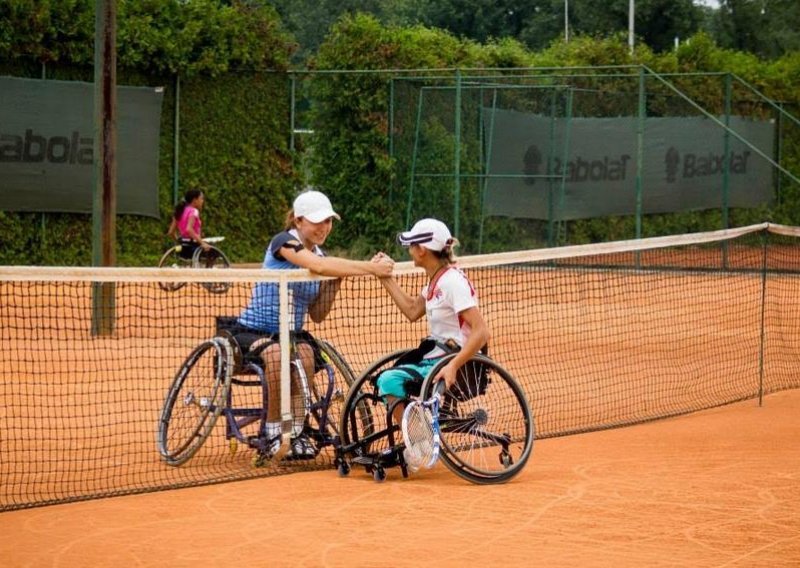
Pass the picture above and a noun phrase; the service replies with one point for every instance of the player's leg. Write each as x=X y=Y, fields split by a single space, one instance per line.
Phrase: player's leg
x=302 y=447
x=269 y=352
x=398 y=383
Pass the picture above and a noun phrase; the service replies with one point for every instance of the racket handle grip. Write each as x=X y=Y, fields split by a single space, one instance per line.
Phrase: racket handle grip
x=439 y=388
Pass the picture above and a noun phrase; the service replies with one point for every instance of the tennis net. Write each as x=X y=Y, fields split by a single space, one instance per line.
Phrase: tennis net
x=599 y=336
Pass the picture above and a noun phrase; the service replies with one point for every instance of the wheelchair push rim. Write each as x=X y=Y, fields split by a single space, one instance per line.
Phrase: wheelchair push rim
x=172 y=259
x=487 y=427
x=194 y=401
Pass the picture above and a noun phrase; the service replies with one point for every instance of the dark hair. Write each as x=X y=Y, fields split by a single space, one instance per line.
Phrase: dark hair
x=188 y=197
x=288 y=222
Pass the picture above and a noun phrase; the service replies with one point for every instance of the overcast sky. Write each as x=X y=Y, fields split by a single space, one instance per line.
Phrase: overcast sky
x=712 y=3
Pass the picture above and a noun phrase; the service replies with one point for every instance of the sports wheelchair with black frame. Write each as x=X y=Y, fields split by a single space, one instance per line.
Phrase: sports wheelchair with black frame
x=217 y=373
x=187 y=254
x=486 y=424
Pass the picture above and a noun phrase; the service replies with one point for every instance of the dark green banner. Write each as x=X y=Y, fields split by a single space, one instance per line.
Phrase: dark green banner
x=682 y=165
x=47 y=146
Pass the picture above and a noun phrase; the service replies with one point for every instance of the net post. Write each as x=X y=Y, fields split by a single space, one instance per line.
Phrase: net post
x=762 y=338
x=286 y=383
x=726 y=175
x=641 y=117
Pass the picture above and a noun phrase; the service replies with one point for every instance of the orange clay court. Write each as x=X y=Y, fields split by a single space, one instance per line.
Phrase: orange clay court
x=712 y=489
x=719 y=487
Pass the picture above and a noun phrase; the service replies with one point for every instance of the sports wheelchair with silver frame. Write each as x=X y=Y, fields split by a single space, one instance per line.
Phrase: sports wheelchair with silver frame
x=216 y=371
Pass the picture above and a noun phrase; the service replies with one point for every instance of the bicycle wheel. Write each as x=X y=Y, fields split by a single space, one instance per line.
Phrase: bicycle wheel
x=172 y=259
x=486 y=424
x=212 y=258
x=194 y=401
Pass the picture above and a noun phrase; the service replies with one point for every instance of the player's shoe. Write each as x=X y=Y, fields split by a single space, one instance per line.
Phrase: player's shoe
x=302 y=448
x=263 y=456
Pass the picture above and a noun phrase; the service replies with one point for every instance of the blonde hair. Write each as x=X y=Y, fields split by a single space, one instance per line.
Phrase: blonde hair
x=447 y=253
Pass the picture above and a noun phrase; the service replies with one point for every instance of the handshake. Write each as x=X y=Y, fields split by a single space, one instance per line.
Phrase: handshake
x=386 y=264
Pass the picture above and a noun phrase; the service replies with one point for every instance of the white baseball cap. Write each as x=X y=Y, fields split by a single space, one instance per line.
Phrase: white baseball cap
x=430 y=233
x=314 y=206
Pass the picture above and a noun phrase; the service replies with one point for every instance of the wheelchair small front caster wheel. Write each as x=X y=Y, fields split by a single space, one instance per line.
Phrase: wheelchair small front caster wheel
x=379 y=474
x=343 y=469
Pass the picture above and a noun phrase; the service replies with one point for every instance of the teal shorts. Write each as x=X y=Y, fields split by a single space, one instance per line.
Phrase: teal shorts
x=392 y=382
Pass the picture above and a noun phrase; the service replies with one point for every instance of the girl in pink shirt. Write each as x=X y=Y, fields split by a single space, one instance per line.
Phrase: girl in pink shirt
x=186 y=222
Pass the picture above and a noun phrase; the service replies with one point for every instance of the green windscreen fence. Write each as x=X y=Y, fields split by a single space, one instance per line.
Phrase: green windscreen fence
x=512 y=159
x=47 y=146
x=683 y=164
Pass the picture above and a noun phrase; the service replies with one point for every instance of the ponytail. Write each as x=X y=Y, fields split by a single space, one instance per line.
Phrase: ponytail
x=188 y=197
x=447 y=254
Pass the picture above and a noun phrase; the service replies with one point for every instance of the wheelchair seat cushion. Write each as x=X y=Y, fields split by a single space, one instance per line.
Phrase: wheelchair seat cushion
x=245 y=337
x=404 y=380
x=188 y=246
x=405 y=377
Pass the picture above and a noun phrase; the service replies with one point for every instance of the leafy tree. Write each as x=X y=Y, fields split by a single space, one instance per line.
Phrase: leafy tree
x=656 y=22
x=310 y=20
x=197 y=36
x=769 y=28
x=479 y=20
x=233 y=121
x=538 y=22
x=47 y=30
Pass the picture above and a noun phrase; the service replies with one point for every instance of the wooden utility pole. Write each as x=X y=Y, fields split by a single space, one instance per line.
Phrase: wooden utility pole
x=104 y=205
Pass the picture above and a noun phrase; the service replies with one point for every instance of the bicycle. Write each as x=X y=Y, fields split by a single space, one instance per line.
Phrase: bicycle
x=203 y=390
x=185 y=254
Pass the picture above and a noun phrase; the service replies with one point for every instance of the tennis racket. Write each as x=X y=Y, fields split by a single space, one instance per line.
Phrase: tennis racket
x=420 y=426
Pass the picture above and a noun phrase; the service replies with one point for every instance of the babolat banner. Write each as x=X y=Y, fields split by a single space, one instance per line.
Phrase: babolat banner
x=47 y=146
x=682 y=165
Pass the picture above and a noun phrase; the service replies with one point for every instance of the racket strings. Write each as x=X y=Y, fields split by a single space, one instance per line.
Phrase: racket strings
x=419 y=436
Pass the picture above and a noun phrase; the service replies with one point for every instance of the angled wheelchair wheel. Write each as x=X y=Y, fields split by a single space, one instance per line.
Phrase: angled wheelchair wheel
x=486 y=424
x=172 y=259
x=194 y=401
x=329 y=386
x=212 y=258
x=363 y=429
